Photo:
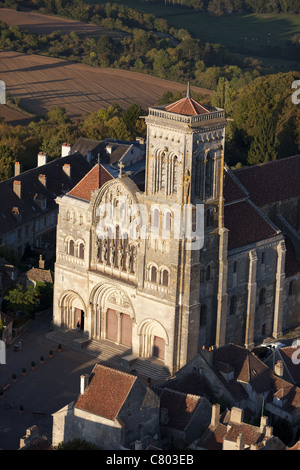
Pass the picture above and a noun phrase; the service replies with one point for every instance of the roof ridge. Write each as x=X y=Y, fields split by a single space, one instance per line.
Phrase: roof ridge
x=182 y=393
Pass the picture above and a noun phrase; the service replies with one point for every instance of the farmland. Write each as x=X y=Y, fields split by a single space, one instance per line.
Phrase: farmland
x=40 y=83
x=37 y=23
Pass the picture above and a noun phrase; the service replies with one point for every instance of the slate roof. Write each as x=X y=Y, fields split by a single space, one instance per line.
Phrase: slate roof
x=246 y=225
x=271 y=182
x=286 y=355
x=247 y=368
x=106 y=392
x=93 y=180
x=84 y=146
x=58 y=182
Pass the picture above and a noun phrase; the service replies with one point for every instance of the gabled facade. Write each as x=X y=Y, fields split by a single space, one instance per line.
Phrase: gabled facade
x=113 y=411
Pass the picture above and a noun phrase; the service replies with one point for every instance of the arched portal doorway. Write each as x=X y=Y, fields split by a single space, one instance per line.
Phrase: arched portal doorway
x=73 y=310
x=118 y=327
x=153 y=339
x=113 y=315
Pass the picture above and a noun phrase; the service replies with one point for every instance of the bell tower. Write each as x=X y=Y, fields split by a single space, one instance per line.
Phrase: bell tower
x=185 y=143
x=184 y=166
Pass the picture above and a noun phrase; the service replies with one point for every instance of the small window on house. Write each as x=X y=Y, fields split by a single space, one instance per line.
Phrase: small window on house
x=262 y=296
x=235 y=267
x=263 y=258
x=291 y=288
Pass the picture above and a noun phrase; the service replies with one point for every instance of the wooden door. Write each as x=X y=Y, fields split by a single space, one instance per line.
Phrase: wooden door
x=126 y=330
x=111 y=325
x=159 y=348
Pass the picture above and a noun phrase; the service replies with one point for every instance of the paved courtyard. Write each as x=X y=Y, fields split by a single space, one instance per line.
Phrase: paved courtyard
x=42 y=391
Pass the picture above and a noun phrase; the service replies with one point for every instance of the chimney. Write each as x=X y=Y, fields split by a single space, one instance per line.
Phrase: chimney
x=263 y=423
x=236 y=415
x=42 y=159
x=138 y=445
x=240 y=442
x=268 y=431
x=65 y=149
x=41 y=262
x=84 y=381
x=43 y=180
x=18 y=168
x=18 y=188
x=67 y=169
x=215 y=415
x=140 y=140
x=278 y=368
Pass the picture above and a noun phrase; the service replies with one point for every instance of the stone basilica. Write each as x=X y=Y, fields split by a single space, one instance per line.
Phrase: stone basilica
x=197 y=255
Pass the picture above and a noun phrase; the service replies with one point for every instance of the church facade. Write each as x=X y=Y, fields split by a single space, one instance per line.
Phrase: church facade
x=158 y=270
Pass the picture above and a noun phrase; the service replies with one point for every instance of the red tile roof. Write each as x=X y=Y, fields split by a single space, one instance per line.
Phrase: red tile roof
x=180 y=406
x=245 y=225
x=272 y=181
x=187 y=106
x=106 y=392
x=94 y=179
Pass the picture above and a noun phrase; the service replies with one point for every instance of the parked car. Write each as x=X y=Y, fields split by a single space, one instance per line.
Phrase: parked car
x=274 y=346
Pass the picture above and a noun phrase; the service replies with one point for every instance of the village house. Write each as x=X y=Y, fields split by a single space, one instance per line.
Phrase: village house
x=28 y=218
x=183 y=417
x=113 y=411
x=228 y=431
x=288 y=358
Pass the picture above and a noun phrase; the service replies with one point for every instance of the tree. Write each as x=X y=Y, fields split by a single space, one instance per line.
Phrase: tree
x=6 y=162
x=223 y=97
x=130 y=117
x=76 y=444
x=20 y=300
x=263 y=148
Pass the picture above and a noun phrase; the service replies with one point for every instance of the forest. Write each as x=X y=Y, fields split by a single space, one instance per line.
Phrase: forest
x=223 y=7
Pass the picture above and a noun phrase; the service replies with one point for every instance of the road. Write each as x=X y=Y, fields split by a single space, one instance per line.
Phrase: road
x=42 y=391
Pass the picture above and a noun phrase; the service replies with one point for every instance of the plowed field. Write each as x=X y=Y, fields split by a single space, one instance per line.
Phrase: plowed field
x=43 y=82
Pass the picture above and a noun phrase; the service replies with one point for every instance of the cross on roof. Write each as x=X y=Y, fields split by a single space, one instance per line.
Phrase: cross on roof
x=121 y=166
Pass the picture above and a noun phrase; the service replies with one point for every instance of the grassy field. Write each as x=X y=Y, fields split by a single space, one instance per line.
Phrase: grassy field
x=254 y=32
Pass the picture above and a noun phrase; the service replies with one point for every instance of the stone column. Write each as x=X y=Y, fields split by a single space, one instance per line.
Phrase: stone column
x=222 y=289
x=279 y=293
x=251 y=301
